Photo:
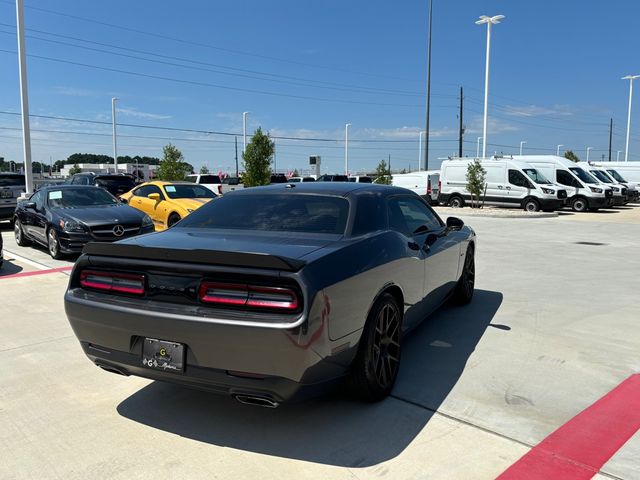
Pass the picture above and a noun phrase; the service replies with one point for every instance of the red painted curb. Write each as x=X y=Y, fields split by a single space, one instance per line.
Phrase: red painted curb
x=579 y=448
x=36 y=272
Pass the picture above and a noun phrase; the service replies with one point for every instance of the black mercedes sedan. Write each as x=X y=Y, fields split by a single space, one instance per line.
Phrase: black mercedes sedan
x=64 y=218
x=271 y=294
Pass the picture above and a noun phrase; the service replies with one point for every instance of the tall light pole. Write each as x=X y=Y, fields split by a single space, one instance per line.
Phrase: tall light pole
x=115 y=141
x=489 y=21
x=244 y=132
x=346 y=148
x=478 y=147
x=24 y=97
x=521 y=144
x=618 y=156
x=588 y=150
x=428 y=106
x=558 y=149
x=631 y=78
x=420 y=151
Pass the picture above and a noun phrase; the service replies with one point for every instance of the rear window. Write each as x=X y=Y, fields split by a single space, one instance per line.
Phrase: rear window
x=11 y=180
x=210 y=179
x=118 y=183
x=365 y=180
x=276 y=213
x=340 y=178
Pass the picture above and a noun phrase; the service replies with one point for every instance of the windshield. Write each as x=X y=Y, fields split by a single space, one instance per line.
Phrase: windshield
x=79 y=197
x=117 y=183
x=617 y=176
x=582 y=175
x=11 y=180
x=600 y=176
x=536 y=176
x=178 y=190
x=275 y=213
x=210 y=179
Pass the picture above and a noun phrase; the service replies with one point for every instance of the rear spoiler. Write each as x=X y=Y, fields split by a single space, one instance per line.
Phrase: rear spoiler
x=209 y=257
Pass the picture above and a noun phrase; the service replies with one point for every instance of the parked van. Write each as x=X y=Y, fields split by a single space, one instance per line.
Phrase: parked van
x=212 y=182
x=608 y=178
x=425 y=183
x=634 y=187
x=584 y=192
x=629 y=170
x=620 y=192
x=360 y=179
x=509 y=183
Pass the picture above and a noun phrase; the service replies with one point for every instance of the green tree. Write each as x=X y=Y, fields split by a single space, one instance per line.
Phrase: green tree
x=204 y=170
x=476 y=176
x=383 y=174
x=172 y=166
x=75 y=169
x=571 y=156
x=257 y=160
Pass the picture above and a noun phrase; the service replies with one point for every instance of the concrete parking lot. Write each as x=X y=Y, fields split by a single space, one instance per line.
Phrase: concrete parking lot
x=553 y=328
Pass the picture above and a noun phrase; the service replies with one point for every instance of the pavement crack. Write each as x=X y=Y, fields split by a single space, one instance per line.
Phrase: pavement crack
x=35 y=343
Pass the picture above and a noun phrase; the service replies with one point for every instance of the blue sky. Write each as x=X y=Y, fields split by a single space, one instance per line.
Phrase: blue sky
x=304 y=69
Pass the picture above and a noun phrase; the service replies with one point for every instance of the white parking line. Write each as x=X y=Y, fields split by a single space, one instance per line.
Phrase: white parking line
x=38 y=265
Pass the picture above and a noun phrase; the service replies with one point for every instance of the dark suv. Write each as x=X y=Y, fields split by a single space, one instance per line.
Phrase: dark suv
x=114 y=184
x=11 y=186
x=333 y=178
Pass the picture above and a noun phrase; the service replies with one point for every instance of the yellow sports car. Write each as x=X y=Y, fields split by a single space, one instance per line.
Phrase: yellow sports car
x=167 y=202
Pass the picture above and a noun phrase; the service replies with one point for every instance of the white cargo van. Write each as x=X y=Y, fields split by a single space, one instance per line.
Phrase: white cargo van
x=629 y=170
x=620 y=192
x=424 y=183
x=610 y=175
x=584 y=192
x=509 y=183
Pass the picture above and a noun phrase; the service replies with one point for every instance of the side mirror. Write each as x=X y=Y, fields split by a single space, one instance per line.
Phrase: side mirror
x=454 y=223
x=30 y=205
x=154 y=196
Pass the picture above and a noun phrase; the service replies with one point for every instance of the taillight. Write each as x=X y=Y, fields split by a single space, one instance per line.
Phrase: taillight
x=439 y=185
x=112 y=282
x=233 y=294
x=429 y=187
x=220 y=189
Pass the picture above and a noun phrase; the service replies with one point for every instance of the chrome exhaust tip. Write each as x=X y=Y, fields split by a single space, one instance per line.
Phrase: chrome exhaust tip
x=256 y=401
x=110 y=369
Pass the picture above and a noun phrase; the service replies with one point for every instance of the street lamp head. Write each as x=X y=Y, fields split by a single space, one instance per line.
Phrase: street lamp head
x=630 y=77
x=486 y=19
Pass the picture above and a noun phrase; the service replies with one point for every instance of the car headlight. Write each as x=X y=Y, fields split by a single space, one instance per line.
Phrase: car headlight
x=595 y=190
x=548 y=191
x=616 y=189
x=146 y=221
x=71 y=226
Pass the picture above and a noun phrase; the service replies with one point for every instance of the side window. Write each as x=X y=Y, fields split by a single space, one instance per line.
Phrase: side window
x=38 y=198
x=146 y=190
x=518 y=179
x=370 y=215
x=408 y=214
x=565 y=178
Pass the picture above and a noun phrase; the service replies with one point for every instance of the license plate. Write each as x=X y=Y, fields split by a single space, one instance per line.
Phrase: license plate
x=6 y=194
x=163 y=355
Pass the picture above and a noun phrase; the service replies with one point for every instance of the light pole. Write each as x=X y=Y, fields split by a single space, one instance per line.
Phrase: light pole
x=244 y=132
x=115 y=142
x=428 y=106
x=478 y=147
x=489 y=21
x=521 y=144
x=420 y=151
x=588 y=150
x=631 y=78
x=618 y=155
x=558 y=149
x=24 y=97
x=346 y=148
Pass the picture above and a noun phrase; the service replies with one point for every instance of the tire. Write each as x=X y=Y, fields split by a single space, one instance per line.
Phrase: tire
x=579 y=204
x=18 y=232
x=531 y=205
x=173 y=219
x=593 y=209
x=375 y=368
x=463 y=293
x=53 y=244
x=456 y=201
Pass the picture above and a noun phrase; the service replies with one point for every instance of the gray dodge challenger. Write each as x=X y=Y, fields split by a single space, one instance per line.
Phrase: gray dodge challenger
x=272 y=294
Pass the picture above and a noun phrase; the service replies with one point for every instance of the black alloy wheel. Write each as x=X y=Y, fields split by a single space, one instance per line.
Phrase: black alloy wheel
x=18 y=232
x=375 y=368
x=173 y=219
x=463 y=293
x=53 y=244
x=531 y=205
x=579 y=205
x=456 y=202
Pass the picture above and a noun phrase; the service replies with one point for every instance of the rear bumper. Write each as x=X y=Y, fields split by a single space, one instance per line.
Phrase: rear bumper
x=285 y=361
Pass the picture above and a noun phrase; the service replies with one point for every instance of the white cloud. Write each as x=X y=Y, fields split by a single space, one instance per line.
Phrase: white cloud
x=537 y=111
x=132 y=112
x=79 y=92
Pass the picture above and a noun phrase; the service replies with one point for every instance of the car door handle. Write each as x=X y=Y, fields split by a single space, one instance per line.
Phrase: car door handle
x=500 y=187
x=508 y=188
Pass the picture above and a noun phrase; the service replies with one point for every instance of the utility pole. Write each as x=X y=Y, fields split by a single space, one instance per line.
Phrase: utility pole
x=426 y=137
x=24 y=97
x=610 y=136
x=237 y=174
x=461 y=129
x=115 y=142
x=389 y=164
x=275 y=160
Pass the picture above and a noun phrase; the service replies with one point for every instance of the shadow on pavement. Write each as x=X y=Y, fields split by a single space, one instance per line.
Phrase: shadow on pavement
x=9 y=268
x=333 y=429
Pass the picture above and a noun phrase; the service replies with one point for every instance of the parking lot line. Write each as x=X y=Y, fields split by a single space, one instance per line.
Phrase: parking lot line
x=579 y=448
x=37 y=272
x=20 y=258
